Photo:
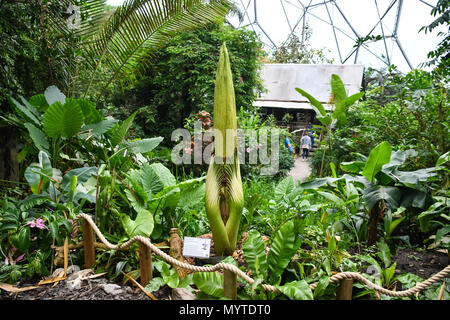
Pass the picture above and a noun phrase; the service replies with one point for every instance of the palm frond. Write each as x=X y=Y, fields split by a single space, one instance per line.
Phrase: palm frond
x=64 y=24
x=127 y=42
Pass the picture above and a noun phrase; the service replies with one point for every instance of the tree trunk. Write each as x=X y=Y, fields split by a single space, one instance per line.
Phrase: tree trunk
x=372 y=229
x=9 y=167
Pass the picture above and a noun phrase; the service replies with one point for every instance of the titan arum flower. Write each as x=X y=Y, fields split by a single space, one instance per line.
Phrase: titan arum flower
x=224 y=195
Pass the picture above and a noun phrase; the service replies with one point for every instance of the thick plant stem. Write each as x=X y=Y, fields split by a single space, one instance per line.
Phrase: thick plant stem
x=229 y=285
x=374 y=215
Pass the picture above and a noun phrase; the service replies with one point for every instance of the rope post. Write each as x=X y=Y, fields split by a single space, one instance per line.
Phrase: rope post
x=88 y=243
x=345 y=290
x=145 y=261
x=229 y=284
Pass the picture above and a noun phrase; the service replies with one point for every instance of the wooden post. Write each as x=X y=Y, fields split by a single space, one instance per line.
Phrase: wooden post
x=229 y=285
x=88 y=243
x=145 y=261
x=345 y=290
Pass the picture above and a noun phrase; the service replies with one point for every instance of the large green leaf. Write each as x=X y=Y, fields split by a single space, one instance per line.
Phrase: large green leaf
x=283 y=248
x=63 y=120
x=414 y=177
x=38 y=137
x=255 y=254
x=398 y=158
x=333 y=198
x=209 y=282
x=349 y=101
x=319 y=109
x=378 y=157
x=318 y=182
x=342 y=107
x=99 y=128
x=443 y=159
x=298 y=290
x=284 y=187
x=337 y=88
x=141 y=226
x=414 y=198
x=119 y=133
x=82 y=174
x=38 y=101
x=391 y=195
x=144 y=145
x=191 y=195
x=164 y=174
x=53 y=94
x=353 y=166
x=25 y=113
x=151 y=180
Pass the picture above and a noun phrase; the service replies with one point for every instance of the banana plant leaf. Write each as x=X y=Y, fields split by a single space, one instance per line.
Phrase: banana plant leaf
x=391 y=195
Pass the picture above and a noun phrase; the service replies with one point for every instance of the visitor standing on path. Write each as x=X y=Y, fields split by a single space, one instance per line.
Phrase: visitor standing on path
x=288 y=145
x=305 y=144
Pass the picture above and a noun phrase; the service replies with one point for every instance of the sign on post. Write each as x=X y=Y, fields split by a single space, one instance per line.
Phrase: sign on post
x=196 y=247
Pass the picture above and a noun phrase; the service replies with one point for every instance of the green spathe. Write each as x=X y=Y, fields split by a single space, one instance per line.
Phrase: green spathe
x=225 y=123
x=224 y=198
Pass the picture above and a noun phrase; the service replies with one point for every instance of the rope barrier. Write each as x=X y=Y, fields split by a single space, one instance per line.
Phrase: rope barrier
x=229 y=267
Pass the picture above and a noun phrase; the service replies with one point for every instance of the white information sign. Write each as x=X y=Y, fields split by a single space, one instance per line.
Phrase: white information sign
x=196 y=247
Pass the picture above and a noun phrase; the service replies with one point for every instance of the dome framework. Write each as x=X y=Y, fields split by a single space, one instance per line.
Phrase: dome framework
x=358 y=31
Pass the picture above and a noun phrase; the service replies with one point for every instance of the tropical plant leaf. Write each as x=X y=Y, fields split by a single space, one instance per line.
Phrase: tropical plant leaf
x=414 y=198
x=52 y=94
x=333 y=198
x=82 y=174
x=378 y=157
x=209 y=282
x=164 y=174
x=24 y=112
x=45 y=164
x=127 y=42
x=63 y=120
x=318 y=107
x=141 y=226
x=144 y=145
x=191 y=195
x=38 y=137
x=150 y=180
x=337 y=89
x=353 y=166
x=349 y=101
x=284 y=187
x=99 y=128
x=119 y=133
x=318 y=182
x=38 y=101
x=321 y=286
x=31 y=201
x=283 y=248
x=398 y=158
x=391 y=195
x=298 y=290
x=255 y=254
x=443 y=159
x=414 y=177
